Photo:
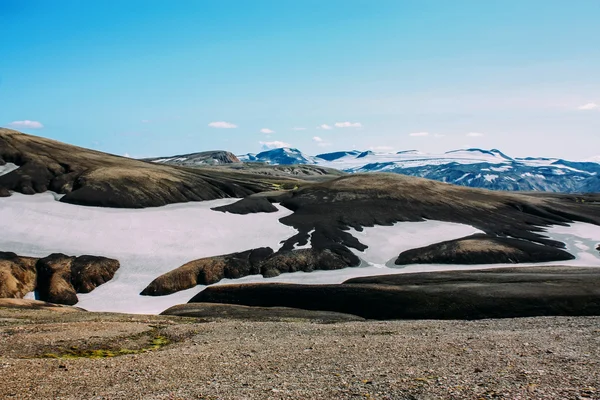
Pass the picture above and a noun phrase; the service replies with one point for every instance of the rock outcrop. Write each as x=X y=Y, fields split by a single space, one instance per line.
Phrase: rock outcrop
x=493 y=293
x=483 y=249
x=61 y=277
x=56 y=278
x=274 y=314
x=264 y=261
x=27 y=304
x=17 y=275
x=206 y=271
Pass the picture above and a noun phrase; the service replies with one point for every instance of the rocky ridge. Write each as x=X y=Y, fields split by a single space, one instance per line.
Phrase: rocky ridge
x=56 y=278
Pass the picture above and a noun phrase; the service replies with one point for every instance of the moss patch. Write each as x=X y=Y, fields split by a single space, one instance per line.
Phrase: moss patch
x=155 y=342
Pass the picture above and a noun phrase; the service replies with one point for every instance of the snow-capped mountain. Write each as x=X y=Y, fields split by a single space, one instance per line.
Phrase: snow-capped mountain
x=281 y=156
x=489 y=169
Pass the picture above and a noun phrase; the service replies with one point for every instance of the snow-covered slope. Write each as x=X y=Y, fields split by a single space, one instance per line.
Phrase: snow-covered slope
x=149 y=242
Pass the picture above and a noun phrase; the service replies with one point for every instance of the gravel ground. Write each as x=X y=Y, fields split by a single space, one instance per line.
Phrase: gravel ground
x=528 y=358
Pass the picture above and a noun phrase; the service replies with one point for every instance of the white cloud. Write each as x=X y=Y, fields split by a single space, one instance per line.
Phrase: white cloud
x=222 y=125
x=419 y=134
x=27 y=124
x=298 y=128
x=438 y=135
x=145 y=121
x=348 y=124
x=126 y=155
x=589 y=106
x=274 y=145
x=320 y=142
x=267 y=131
x=474 y=134
x=324 y=126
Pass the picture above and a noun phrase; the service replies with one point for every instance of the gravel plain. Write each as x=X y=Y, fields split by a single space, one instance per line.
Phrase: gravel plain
x=46 y=354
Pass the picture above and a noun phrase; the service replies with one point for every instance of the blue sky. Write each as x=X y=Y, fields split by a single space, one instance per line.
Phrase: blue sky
x=149 y=78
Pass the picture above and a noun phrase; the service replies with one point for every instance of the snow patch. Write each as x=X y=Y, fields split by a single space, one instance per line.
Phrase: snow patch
x=490 y=177
x=308 y=242
x=385 y=243
x=147 y=242
x=8 y=168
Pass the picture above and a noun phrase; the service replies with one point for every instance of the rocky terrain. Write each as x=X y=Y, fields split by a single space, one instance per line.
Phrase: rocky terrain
x=56 y=278
x=47 y=354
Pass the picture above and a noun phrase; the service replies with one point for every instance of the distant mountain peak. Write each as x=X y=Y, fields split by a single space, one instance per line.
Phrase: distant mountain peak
x=493 y=152
x=364 y=154
x=282 y=155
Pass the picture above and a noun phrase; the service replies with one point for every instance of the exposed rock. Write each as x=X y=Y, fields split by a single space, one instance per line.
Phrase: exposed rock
x=309 y=260
x=56 y=278
x=89 y=272
x=230 y=311
x=482 y=249
x=206 y=271
x=36 y=305
x=494 y=293
x=17 y=275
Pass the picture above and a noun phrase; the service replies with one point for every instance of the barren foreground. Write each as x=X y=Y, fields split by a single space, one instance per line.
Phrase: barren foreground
x=179 y=358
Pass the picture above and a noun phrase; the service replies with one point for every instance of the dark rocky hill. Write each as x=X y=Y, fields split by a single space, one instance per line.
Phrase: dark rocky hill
x=93 y=178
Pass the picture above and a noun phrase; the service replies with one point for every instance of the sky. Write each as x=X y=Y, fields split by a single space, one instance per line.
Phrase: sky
x=157 y=78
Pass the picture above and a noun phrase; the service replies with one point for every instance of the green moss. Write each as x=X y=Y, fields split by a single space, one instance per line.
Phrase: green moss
x=157 y=342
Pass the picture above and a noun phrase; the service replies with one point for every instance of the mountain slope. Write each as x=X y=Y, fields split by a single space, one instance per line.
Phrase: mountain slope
x=93 y=178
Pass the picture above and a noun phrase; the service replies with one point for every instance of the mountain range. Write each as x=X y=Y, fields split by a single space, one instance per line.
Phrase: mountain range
x=488 y=169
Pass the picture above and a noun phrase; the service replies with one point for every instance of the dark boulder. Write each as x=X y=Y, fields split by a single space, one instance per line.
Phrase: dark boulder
x=483 y=249
x=89 y=272
x=61 y=277
x=54 y=279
